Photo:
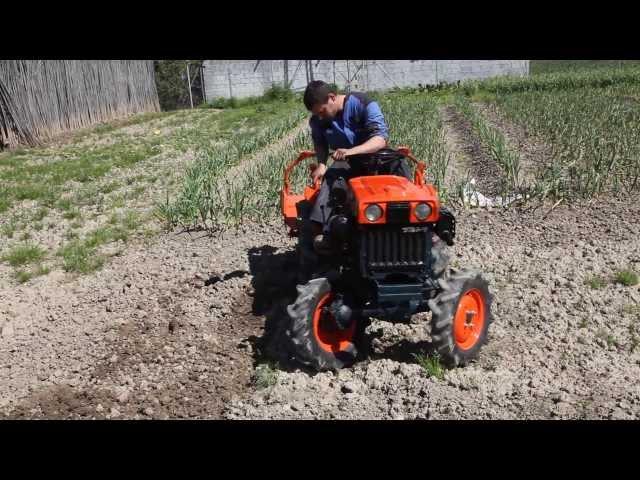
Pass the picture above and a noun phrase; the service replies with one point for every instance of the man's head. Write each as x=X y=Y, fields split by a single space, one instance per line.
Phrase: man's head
x=321 y=100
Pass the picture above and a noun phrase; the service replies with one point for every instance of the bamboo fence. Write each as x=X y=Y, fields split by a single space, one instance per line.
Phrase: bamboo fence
x=42 y=98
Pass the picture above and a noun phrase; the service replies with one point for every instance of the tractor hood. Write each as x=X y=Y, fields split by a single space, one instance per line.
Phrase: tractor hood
x=384 y=190
x=389 y=188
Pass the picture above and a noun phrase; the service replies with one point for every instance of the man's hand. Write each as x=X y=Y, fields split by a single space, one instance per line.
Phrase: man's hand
x=318 y=173
x=341 y=154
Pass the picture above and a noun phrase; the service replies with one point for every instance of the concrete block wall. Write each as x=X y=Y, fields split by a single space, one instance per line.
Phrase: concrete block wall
x=243 y=78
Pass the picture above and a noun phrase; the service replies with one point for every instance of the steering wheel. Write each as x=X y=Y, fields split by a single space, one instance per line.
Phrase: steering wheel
x=387 y=155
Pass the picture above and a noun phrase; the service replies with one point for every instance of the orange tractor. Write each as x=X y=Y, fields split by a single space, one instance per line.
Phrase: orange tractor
x=388 y=261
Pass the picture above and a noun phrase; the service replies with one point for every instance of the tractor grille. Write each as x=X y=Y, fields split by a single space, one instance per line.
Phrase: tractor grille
x=392 y=248
x=398 y=212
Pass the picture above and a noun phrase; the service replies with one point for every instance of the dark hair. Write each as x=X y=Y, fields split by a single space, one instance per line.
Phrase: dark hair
x=317 y=92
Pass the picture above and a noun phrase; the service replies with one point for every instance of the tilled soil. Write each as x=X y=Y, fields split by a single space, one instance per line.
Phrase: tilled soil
x=175 y=329
x=557 y=347
x=164 y=331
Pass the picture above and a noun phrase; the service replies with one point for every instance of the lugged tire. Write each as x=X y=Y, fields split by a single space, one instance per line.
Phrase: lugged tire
x=305 y=345
x=439 y=257
x=444 y=307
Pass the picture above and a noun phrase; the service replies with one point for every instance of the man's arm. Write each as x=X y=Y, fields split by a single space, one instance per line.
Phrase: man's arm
x=378 y=134
x=370 y=146
x=319 y=143
x=322 y=151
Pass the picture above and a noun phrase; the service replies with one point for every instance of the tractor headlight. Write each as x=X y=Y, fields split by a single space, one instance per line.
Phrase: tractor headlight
x=422 y=211
x=373 y=212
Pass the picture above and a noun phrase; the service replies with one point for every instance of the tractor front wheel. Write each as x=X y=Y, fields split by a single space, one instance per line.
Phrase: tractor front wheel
x=316 y=339
x=461 y=314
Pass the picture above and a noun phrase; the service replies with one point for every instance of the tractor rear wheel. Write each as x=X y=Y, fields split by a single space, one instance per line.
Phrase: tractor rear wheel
x=316 y=339
x=461 y=314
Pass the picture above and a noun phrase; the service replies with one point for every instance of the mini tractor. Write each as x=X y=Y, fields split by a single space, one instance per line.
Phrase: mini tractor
x=388 y=260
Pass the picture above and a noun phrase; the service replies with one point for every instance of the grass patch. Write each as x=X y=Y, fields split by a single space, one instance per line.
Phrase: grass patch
x=109 y=187
x=22 y=276
x=139 y=190
x=265 y=375
x=130 y=220
x=40 y=214
x=118 y=201
x=71 y=214
x=64 y=204
x=4 y=202
x=628 y=278
x=24 y=255
x=537 y=67
x=78 y=257
x=98 y=237
x=430 y=364
x=275 y=93
x=81 y=255
x=596 y=282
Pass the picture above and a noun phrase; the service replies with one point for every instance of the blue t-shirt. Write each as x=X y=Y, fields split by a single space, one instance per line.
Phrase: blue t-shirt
x=360 y=119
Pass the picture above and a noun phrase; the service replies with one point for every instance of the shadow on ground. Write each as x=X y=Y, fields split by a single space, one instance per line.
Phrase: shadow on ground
x=273 y=281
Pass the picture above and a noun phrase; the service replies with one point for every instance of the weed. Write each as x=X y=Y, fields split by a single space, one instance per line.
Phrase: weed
x=64 y=204
x=627 y=278
x=78 y=257
x=71 y=214
x=431 y=365
x=24 y=254
x=5 y=203
x=22 y=276
x=596 y=282
x=265 y=375
x=40 y=214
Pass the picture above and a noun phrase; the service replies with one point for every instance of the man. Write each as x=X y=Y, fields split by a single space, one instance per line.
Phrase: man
x=351 y=125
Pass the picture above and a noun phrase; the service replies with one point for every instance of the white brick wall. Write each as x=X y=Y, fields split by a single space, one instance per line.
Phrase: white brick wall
x=243 y=78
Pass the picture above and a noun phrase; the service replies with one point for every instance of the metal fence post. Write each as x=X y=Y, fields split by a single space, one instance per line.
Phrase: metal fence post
x=189 y=83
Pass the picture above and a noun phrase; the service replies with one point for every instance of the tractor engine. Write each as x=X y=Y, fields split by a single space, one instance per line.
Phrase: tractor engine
x=382 y=229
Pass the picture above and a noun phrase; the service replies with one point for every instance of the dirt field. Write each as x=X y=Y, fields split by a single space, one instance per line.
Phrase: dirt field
x=186 y=324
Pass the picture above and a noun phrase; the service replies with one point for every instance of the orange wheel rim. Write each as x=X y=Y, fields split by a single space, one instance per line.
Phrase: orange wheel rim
x=469 y=319
x=330 y=338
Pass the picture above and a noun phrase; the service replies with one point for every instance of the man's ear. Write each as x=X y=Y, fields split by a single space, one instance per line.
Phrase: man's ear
x=332 y=97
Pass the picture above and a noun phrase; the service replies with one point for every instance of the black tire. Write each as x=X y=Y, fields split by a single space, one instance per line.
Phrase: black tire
x=305 y=345
x=444 y=307
x=439 y=257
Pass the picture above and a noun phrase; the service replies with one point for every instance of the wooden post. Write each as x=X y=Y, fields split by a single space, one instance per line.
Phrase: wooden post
x=229 y=78
x=189 y=83
x=311 y=70
x=306 y=69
